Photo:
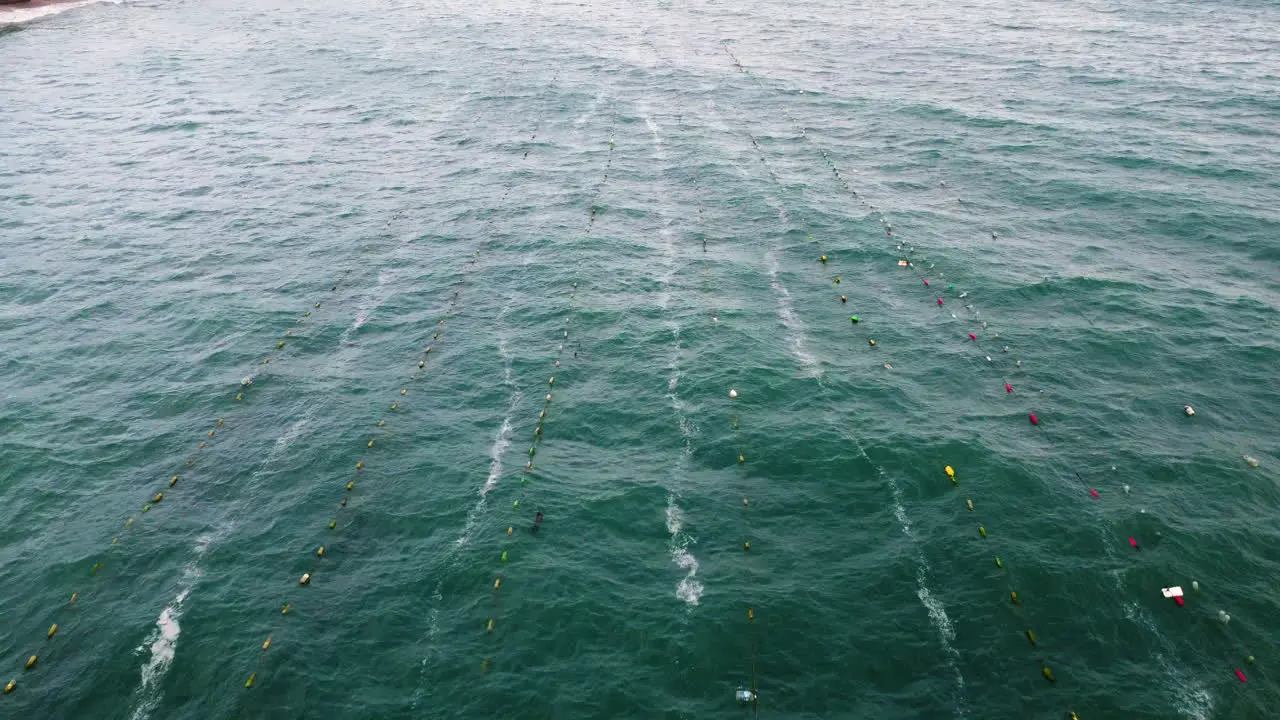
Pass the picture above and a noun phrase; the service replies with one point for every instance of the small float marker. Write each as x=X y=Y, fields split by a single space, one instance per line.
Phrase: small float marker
x=926 y=283
x=1008 y=388
x=939 y=302
x=1134 y=543
x=1190 y=411
x=733 y=393
x=1034 y=420
x=1240 y=675
x=1093 y=493
x=973 y=337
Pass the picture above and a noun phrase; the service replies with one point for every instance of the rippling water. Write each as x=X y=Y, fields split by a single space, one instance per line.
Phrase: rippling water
x=641 y=193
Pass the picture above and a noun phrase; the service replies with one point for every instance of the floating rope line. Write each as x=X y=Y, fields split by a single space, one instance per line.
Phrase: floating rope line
x=530 y=472
x=1015 y=598
x=324 y=548
x=173 y=486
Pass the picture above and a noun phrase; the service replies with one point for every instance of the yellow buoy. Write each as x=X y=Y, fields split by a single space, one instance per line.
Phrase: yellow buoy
x=359 y=464
x=351 y=485
x=871 y=342
x=305 y=579
x=490 y=626
x=751 y=614
x=333 y=524
x=824 y=259
x=74 y=595
x=201 y=444
x=982 y=531
x=404 y=390
x=173 y=481
x=343 y=503
x=9 y=687
x=320 y=551
x=746 y=546
x=510 y=530
x=53 y=629
x=381 y=423
x=497 y=583
x=287 y=607
x=266 y=644
x=239 y=396
x=219 y=422
x=998 y=563
x=279 y=344
x=370 y=444
x=551 y=380
x=741 y=459
x=249 y=683
x=1013 y=597
x=1031 y=636
x=1047 y=673
x=31 y=662
x=951 y=472
x=157 y=498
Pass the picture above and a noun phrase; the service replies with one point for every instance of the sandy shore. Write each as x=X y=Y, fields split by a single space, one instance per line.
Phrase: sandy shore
x=17 y=11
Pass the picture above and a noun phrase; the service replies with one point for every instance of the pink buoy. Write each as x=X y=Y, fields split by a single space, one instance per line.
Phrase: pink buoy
x=973 y=337
x=1134 y=543
x=926 y=283
x=1008 y=388
x=1178 y=600
x=1034 y=420
x=939 y=302
x=1241 y=676
x=1094 y=493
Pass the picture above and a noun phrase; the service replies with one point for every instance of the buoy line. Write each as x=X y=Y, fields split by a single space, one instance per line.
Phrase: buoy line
x=171 y=489
x=1173 y=592
x=530 y=474
x=436 y=332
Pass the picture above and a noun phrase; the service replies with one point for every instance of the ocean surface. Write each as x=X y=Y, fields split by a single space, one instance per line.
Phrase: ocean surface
x=357 y=289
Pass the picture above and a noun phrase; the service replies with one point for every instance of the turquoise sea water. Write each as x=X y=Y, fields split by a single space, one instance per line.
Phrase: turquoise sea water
x=640 y=192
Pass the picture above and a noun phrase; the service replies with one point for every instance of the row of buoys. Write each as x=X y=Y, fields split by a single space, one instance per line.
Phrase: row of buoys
x=180 y=478
x=507 y=547
x=437 y=330
x=825 y=260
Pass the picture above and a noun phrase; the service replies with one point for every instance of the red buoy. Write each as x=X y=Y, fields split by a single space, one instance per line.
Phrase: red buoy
x=973 y=337
x=939 y=302
x=1008 y=388
x=1034 y=420
x=1094 y=493
x=1178 y=600
x=1134 y=543
x=1241 y=676
x=926 y=283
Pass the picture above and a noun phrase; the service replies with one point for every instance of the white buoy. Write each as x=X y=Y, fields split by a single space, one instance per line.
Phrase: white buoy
x=1126 y=489
x=548 y=397
x=733 y=393
x=1172 y=592
x=1195 y=585
x=1252 y=461
x=1190 y=411
x=745 y=696
x=305 y=579
x=1223 y=617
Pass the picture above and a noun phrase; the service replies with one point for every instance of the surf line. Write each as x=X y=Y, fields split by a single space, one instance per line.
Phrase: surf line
x=530 y=473
x=67 y=610
x=323 y=549
x=934 y=608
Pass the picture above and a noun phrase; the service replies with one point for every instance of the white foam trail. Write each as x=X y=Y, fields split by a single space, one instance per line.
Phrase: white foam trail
x=369 y=305
x=932 y=605
x=162 y=643
x=793 y=324
x=689 y=588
